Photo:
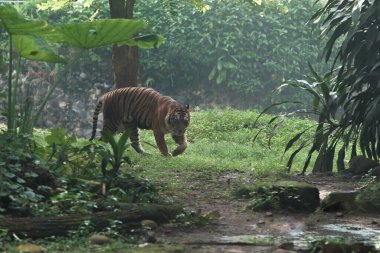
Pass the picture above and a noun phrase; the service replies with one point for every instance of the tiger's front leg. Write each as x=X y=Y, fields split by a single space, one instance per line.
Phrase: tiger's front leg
x=160 y=140
x=182 y=141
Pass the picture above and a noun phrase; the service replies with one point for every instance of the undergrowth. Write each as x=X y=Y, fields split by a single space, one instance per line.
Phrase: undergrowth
x=220 y=141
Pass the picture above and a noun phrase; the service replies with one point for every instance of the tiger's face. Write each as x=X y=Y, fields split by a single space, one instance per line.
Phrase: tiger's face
x=179 y=120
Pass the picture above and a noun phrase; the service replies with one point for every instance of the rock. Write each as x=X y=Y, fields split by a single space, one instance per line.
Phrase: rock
x=99 y=239
x=30 y=248
x=283 y=251
x=149 y=224
x=286 y=246
x=331 y=247
x=261 y=222
x=365 y=200
x=376 y=173
x=359 y=165
x=268 y=214
x=339 y=215
x=151 y=239
x=339 y=201
x=285 y=195
x=368 y=199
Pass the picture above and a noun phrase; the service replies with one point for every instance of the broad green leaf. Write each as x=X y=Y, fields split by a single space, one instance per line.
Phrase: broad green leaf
x=145 y=41
x=34 y=48
x=88 y=35
x=15 y=24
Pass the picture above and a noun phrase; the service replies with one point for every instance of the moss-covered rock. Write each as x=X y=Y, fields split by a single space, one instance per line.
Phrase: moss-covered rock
x=339 y=201
x=364 y=200
x=368 y=198
x=283 y=195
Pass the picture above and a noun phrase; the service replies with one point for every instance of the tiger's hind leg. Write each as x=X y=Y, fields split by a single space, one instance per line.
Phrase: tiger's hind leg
x=182 y=141
x=110 y=127
x=135 y=140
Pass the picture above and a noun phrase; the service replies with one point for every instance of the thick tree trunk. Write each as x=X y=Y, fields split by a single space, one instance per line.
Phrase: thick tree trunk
x=124 y=58
x=38 y=227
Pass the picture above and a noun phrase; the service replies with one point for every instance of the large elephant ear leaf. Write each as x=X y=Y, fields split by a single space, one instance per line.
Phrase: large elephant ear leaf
x=88 y=35
x=34 y=48
x=15 y=24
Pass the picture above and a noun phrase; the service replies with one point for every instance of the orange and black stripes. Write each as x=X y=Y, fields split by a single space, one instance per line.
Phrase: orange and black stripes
x=95 y=118
x=132 y=108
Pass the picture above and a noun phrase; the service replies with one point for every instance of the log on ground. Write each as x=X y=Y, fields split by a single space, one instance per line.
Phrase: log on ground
x=38 y=227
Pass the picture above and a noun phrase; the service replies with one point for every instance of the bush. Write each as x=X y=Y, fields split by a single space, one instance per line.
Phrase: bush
x=231 y=46
x=25 y=181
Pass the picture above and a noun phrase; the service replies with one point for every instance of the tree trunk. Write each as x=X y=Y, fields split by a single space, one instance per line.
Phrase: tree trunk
x=124 y=58
x=324 y=161
x=38 y=227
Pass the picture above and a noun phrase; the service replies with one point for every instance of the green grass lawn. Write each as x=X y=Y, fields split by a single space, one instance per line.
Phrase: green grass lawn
x=223 y=140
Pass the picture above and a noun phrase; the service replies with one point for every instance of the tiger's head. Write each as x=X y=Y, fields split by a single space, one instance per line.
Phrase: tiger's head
x=179 y=120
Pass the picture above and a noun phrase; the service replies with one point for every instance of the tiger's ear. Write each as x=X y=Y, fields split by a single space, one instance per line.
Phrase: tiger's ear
x=187 y=106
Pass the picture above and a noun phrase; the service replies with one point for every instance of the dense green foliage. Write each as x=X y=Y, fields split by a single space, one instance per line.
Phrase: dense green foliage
x=346 y=99
x=32 y=39
x=357 y=24
x=16 y=183
x=234 y=46
x=54 y=173
x=229 y=47
x=325 y=102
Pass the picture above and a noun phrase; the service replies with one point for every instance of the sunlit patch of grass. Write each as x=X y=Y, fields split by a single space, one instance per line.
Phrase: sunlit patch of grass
x=222 y=140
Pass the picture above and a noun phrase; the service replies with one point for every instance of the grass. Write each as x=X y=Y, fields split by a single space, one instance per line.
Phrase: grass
x=222 y=141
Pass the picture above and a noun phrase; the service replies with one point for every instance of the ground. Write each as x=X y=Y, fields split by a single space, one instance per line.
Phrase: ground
x=239 y=230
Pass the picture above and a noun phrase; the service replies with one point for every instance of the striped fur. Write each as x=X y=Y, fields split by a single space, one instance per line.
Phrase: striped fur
x=139 y=107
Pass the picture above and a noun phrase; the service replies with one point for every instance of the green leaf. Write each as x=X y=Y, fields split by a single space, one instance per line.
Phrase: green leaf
x=221 y=77
x=121 y=144
x=294 y=139
x=34 y=48
x=145 y=41
x=212 y=74
x=15 y=24
x=88 y=35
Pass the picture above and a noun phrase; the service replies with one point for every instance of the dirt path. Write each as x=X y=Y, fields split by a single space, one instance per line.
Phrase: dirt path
x=238 y=230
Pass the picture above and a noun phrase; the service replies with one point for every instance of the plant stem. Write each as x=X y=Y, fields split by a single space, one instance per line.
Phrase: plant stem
x=10 y=110
x=14 y=93
x=57 y=80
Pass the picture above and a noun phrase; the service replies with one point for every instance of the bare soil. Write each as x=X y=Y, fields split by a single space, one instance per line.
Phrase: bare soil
x=241 y=230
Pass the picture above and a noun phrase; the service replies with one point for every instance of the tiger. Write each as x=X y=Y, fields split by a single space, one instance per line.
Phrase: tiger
x=134 y=108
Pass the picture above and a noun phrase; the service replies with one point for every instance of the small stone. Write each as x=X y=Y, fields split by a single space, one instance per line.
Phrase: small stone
x=374 y=222
x=261 y=222
x=268 y=214
x=151 y=239
x=339 y=215
x=286 y=246
x=99 y=239
x=149 y=223
x=82 y=75
x=30 y=248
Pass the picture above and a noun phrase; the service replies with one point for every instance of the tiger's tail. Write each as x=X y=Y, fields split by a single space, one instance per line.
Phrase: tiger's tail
x=95 y=118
